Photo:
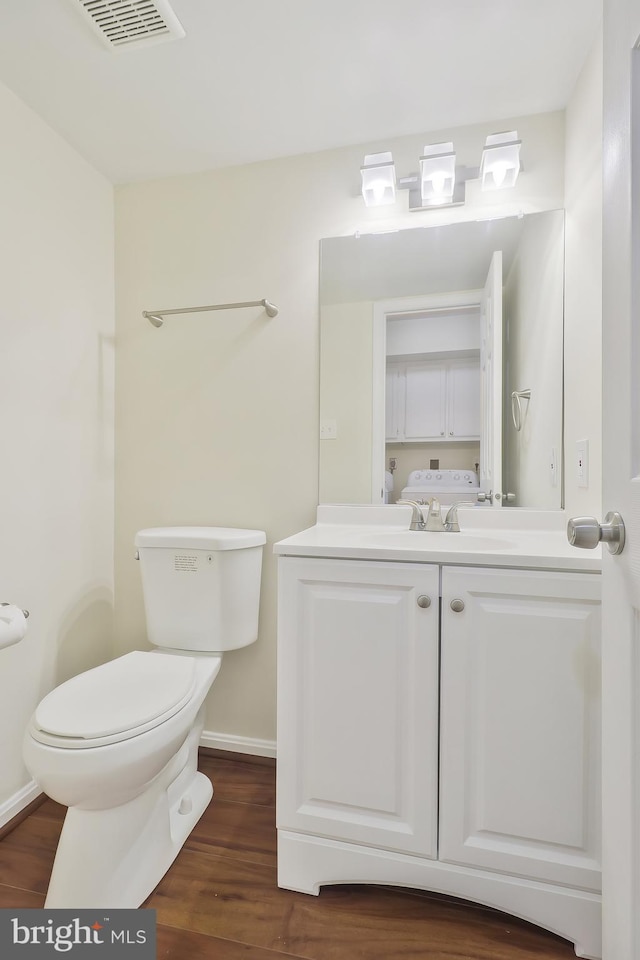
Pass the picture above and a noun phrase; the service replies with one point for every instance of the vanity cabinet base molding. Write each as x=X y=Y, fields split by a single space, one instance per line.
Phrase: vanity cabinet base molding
x=305 y=863
x=439 y=728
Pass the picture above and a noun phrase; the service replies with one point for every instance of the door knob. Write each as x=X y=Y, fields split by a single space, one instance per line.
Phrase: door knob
x=457 y=606
x=424 y=601
x=586 y=532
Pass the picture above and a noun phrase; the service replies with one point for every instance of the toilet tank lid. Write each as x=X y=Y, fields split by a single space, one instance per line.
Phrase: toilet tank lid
x=200 y=538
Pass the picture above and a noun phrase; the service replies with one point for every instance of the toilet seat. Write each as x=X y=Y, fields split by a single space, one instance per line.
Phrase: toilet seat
x=115 y=701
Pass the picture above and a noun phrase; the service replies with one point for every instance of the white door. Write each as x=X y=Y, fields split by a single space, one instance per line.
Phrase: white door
x=491 y=381
x=621 y=482
x=392 y=401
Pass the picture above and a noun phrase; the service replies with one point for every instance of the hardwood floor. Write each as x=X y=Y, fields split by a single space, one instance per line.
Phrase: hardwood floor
x=220 y=900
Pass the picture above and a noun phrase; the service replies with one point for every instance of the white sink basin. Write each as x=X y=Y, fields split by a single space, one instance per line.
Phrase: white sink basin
x=440 y=542
x=531 y=539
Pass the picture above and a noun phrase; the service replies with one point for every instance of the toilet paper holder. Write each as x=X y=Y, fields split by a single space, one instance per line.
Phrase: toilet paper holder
x=25 y=613
x=13 y=624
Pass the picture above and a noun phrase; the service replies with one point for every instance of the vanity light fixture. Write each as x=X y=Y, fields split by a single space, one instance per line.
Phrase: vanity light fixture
x=437 y=174
x=500 y=164
x=378 y=179
x=440 y=183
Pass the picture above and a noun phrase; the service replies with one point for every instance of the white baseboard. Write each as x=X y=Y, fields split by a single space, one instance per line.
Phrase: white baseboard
x=228 y=741
x=15 y=804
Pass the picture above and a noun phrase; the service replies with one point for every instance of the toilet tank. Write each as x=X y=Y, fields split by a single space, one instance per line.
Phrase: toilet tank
x=201 y=586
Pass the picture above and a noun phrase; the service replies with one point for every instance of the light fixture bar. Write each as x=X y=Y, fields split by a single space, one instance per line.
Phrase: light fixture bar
x=413 y=183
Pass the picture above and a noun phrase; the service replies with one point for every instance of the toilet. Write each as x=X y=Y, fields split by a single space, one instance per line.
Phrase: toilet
x=118 y=745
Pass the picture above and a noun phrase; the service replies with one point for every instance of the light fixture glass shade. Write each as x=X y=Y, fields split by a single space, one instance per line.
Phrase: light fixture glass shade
x=500 y=164
x=437 y=173
x=378 y=179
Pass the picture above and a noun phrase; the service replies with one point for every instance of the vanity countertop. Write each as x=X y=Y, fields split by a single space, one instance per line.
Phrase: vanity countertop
x=511 y=537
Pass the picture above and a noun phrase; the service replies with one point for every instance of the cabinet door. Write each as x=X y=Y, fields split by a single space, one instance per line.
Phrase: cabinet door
x=358 y=702
x=520 y=724
x=425 y=400
x=394 y=402
x=463 y=400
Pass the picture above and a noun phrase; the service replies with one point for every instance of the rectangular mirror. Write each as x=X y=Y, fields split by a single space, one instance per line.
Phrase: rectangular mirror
x=441 y=360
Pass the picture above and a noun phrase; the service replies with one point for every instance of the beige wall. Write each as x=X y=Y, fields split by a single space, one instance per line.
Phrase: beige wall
x=346 y=388
x=56 y=419
x=217 y=413
x=583 y=285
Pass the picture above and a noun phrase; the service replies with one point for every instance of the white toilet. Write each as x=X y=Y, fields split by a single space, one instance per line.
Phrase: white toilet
x=118 y=744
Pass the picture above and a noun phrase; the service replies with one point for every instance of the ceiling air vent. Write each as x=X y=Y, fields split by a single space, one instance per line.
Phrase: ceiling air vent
x=131 y=23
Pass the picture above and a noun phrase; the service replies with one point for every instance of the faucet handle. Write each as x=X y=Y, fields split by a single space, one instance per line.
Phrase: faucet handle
x=451 y=523
x=417 y=518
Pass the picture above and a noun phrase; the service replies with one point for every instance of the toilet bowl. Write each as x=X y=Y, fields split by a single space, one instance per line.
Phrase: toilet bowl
x=118 y=745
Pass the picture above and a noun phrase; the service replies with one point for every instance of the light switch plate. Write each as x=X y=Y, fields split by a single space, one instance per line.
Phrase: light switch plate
x=582 y=463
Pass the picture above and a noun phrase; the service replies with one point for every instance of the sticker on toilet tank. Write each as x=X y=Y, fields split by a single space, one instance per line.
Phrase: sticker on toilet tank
x=79 y=933
x=186 y=562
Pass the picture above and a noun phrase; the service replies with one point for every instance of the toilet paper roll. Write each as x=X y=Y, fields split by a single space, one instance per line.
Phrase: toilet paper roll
x=13 y=624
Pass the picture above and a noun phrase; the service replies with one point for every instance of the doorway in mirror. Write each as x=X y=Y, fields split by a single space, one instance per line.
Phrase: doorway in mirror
x=443 y=388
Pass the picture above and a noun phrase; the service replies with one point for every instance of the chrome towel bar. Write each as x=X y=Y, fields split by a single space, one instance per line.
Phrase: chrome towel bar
x=156 y=316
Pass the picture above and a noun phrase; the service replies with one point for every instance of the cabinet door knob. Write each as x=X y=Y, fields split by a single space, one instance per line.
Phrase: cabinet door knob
x=457 y=606
x=424 y=601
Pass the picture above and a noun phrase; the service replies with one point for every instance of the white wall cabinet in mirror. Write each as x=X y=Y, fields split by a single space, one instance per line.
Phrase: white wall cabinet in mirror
x=432 y=400
x=396 y=396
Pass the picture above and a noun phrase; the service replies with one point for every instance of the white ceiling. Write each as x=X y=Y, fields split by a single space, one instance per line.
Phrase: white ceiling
x=257 y=79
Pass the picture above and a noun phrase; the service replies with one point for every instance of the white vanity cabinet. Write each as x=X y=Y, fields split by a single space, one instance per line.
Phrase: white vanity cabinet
x=438 y=727
x=358 y=702
x=433 y=400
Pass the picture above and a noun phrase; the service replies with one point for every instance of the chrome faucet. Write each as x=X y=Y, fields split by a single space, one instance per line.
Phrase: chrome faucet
x=417 y=519
x=451 y=520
